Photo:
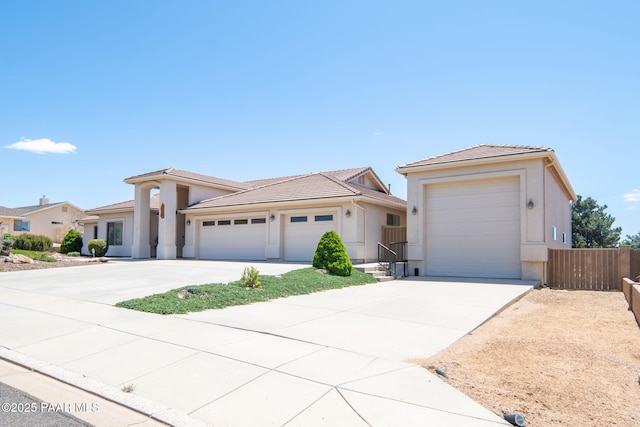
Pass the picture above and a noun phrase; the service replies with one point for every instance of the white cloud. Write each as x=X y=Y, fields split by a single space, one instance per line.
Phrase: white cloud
x=632 y=197
x=42 y=146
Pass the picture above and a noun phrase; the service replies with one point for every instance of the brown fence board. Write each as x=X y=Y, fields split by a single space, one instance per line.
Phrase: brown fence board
x=635 y=265
x=591 y=269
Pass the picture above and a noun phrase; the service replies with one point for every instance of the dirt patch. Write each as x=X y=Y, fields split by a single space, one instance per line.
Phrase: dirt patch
x=559 y=358
x=61 y=261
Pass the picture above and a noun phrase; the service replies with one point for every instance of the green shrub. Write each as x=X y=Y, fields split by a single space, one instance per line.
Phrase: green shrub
x=249 y=278
x=99 y=245
x=32 y=242
x=74 y=254
x=5 y=245
x=331 y=255
x=72 y=242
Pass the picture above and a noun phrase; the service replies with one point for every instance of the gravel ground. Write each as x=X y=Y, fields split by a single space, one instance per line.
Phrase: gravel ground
x=560 y=358
x=61 y=261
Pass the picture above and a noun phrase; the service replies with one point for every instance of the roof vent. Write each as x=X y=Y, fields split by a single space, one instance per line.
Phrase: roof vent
x=44 y=200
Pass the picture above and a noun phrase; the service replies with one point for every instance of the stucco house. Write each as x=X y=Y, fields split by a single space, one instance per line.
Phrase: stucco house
x=487 y=211
x=203 y=217
x=53 y=220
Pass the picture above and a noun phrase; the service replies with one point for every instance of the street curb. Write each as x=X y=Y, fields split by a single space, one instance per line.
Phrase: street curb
x=134 y=402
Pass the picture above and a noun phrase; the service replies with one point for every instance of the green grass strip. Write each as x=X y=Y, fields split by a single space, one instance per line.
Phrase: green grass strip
x=34 y=255
x=219 y=295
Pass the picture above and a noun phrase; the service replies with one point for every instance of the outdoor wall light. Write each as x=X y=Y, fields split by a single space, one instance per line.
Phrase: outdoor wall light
x=347 y=213
x=272 y=217
x=188 y=222
x=414 y=210
x=530 y=204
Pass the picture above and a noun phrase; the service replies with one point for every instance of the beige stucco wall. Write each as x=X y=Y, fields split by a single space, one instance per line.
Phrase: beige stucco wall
x=360 y=231
x=536 y=184
x=557 y=214
x=123 y=250
x=42 y=222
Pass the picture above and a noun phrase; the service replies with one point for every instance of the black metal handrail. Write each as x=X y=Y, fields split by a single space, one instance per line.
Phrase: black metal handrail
x=387 y=259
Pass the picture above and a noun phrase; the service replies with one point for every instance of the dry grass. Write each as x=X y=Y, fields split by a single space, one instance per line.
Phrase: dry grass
x=560 y=358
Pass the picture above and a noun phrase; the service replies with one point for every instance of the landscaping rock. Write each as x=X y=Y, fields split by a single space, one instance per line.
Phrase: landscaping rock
x=21 y=259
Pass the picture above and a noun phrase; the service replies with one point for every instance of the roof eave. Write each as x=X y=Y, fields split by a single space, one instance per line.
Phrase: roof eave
x=406 y=169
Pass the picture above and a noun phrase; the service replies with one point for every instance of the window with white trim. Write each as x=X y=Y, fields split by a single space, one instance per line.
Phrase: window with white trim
x=114 y=233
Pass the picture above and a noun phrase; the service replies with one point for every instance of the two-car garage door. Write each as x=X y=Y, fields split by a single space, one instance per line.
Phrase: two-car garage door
x=473 y=228
x=245 y=238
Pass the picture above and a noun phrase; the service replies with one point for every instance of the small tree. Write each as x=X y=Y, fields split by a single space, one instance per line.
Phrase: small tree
x=98 y=247
x=633 y=241
x=592 y=227
x=72 y=242
x=6 y=243
x=331 y=255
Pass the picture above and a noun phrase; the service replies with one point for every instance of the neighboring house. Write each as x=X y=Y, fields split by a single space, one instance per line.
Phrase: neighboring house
x=53 y=220
x=204 y=217
x=487 y=211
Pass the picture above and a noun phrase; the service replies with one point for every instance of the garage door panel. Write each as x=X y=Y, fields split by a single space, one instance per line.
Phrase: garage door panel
x=233 y=241
x=301 y=238
x=473 y=228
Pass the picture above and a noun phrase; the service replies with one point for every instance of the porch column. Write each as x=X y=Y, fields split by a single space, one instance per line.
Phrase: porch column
x=141 y=218
x=167 y=221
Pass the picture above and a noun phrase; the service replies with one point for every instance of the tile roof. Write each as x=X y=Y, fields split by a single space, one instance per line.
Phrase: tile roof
x=191 y=176
x=341 y=174
x=315 y=186
x=154 y=202
x=26 y=210
x=483 y=151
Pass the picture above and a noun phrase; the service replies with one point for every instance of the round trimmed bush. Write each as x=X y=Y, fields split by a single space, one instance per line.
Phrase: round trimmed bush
x=331 y=255
x=72 y=242
x=99 y=245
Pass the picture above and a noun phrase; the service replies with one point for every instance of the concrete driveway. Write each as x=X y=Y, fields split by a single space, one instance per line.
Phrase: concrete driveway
x=330 y=358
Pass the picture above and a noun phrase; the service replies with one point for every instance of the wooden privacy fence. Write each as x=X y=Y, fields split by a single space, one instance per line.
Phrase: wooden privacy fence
x=592 y=269
x=392 y=234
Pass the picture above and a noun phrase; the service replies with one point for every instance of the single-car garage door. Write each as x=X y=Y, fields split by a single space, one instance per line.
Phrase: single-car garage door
x=473 y=228
x=233 y=238
x=302 y=232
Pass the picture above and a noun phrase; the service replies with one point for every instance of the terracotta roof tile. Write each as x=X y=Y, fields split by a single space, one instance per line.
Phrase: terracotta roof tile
x=341 y=174
x=314 y=186
x=484 y=151
x=192 y=176
x=26 y=210
x=154 y=202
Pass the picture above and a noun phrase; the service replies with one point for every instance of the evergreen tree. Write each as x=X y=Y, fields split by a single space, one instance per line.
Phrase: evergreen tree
x=592 y=227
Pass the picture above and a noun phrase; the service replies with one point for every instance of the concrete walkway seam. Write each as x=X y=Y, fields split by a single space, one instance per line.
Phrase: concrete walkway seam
x=147 y=407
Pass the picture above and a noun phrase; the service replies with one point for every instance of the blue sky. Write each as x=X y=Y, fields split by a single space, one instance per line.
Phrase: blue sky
x=253 y=89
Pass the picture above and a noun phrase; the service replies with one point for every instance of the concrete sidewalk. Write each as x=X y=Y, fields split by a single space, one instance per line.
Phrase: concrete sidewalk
x=330 y=358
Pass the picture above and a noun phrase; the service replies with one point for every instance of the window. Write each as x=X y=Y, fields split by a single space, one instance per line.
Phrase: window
x=258 y=220
x=240 y=221
x=564 y=238
x=393 y=220
x=323 y=218
x=20 y=225
x=114 y=233
x=224 y=222
x=65 y=209
x=208 y=223
x=95 y=231
x=554 y=231
x=56 y=222
x=298 y=219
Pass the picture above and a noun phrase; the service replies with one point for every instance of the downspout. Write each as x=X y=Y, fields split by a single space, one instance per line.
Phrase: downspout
x=364 y=215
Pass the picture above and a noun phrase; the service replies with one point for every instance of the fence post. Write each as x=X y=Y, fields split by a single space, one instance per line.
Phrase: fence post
x=624 y=263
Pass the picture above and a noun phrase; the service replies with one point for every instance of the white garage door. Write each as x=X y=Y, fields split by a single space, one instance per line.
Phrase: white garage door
x=302 y=232
x=234 y=238
x=473 y=228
